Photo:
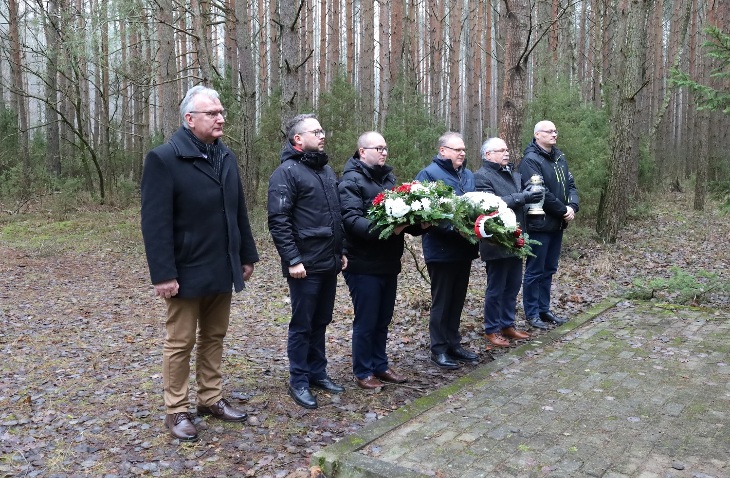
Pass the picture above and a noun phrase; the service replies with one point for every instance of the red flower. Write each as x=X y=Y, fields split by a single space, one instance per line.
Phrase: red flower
x=404 y=188
x=378 y=199
x=518 y=232
x=520 y=242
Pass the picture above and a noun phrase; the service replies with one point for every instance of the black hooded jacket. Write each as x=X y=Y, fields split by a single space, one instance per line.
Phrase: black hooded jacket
x=366 y=253
x=561 y=191
x=304 y=212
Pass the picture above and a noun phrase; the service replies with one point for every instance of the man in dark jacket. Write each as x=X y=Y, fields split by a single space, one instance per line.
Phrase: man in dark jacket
x=448 y=258
x=198 y=243
x=306 y=225
x=504 y=269
x=373 y=264
x=542 y=158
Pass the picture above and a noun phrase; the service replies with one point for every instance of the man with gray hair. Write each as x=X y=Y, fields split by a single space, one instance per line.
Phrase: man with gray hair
x=199 y=246
x=504 y=269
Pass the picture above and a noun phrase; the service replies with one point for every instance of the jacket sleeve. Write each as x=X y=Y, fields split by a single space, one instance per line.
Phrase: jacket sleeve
x=354 y=210
x=281 y=194
x=552 y=205
x=157 y=223
x=573 y=200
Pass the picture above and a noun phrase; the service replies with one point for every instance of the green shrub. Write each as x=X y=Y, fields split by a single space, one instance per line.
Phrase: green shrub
x=681 y=287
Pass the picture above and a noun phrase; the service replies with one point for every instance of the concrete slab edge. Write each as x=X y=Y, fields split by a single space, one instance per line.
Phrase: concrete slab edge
x=342 y=459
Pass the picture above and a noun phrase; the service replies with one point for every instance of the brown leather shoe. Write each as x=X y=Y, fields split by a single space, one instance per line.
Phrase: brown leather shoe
x=222 y=410
x=498 y=340
x=368 y=383
x=391 y=376
x=181 y=426
x=512 y=333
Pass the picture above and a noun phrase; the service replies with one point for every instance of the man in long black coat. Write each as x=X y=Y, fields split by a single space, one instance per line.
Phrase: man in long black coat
x=199 y=246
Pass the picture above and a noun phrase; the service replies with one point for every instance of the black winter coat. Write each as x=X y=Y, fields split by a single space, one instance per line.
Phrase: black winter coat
x=561 y=190
x=304 y=212
x=506 y=184
x=441 y=243
x=195 y=226
x=366 y=253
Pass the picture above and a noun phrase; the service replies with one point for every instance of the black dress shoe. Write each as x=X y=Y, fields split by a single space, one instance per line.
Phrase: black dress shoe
x=223 y=410
x=460 y=353
x=537 y=323
x=550 y=317
x=303 y=397
x=444 y=361
x=181 y=426
x=327 y=385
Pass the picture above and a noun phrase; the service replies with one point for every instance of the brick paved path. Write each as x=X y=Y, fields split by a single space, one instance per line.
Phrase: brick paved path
x=633 y=390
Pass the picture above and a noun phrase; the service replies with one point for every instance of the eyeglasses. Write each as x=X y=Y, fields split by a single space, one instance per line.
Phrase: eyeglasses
x=316 y=132
x=549 y=131
x=379 y=149
x=498 y=150
x=458 y=150
x=212 y=114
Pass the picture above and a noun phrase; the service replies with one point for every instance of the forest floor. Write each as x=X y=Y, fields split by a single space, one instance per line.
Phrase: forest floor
x=81 y=342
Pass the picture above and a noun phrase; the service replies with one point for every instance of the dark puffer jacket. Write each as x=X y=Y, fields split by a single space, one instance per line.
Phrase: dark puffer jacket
x=194 y=223
x=506 y=184
x=304 y=212
x=441 y=243
x=366 y=253
x=561 y=191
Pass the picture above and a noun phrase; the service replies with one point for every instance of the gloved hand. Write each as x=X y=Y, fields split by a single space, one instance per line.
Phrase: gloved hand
x=531 y=196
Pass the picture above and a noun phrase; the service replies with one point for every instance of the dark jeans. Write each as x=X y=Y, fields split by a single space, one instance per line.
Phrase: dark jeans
x=312 y=301
x=504 y=278
x=449 y=281
x=539 y=271
x=373 y=297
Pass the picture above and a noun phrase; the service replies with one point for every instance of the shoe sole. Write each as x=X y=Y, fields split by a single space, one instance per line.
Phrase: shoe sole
x=236 y=420
x=186 y=440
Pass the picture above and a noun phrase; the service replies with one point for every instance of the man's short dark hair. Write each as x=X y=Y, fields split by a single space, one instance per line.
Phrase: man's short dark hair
x=292 y=126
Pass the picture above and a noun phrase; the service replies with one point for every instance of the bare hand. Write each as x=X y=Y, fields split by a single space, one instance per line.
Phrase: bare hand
x=426 y=225
x=247 y=271
x=570 y=215
x=167 y=289
x=298 y=271
x=344 y=262
x=398 y=230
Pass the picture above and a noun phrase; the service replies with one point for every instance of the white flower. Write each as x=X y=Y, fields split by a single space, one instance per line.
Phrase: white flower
x=415 y=187
x=484 y=200
x=508 y=218
x=396 y=207
x=416 y=205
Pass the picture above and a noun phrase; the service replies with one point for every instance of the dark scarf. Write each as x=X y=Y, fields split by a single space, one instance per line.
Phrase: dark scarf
x=213 y=152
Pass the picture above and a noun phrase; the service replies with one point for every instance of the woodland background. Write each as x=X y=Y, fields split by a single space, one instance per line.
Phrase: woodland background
x=637 y=88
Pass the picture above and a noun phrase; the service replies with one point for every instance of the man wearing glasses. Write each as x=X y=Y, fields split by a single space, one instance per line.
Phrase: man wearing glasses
x=448 y=258
x=373 y=264
x=306 y=225
x=561 y=203
x=504 y=269
x=198 y=243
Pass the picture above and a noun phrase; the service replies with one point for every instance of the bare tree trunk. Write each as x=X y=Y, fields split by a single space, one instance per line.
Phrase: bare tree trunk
x=367 y=60
x=385 y=63
x=167 y=70
x=455 y=80
x=350 y=27
x=53 y=149
x=515 y=66
x=19 y=101
x=201 y=40
x=290 y=20
x=247 y=79
x=621 y=177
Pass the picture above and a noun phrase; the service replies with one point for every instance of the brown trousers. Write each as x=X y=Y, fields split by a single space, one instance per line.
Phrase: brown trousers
x=208 y=316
